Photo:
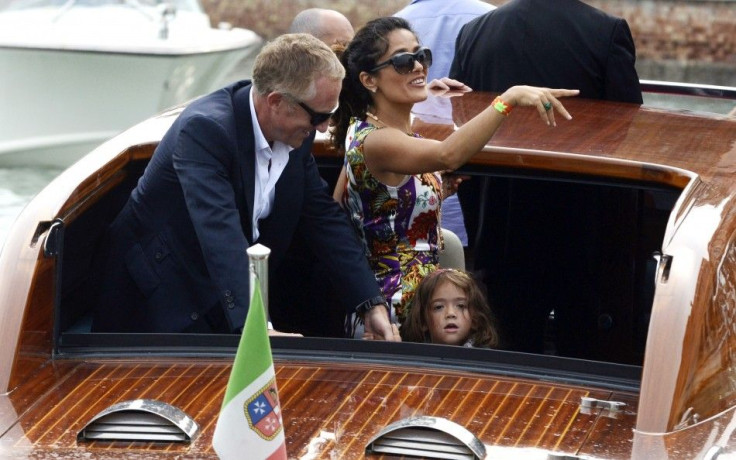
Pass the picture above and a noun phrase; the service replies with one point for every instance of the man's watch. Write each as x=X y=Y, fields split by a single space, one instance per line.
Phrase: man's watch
x=364 y=307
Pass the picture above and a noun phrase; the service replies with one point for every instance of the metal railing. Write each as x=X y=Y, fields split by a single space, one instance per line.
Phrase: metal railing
x=688 y=89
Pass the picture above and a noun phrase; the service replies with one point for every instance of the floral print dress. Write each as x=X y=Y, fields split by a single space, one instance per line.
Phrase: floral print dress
x=399 y=226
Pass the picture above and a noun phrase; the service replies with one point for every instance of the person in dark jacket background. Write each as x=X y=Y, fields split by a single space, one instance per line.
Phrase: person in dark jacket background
x=557 y=44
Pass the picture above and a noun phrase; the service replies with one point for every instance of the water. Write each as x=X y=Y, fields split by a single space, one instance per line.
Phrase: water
x=17 y=187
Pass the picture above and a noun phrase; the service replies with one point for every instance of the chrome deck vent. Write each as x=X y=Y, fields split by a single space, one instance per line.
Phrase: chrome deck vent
x=428 y=437
x=142 y=420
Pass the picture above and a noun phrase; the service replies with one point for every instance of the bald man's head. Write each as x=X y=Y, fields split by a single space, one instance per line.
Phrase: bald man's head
x=330 y=26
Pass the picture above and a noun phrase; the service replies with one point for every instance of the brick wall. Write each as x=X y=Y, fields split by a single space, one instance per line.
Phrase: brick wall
x=676 y=40
x=693 y=41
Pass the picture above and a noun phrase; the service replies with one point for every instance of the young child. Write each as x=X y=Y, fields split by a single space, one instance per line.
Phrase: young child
x=450 y=308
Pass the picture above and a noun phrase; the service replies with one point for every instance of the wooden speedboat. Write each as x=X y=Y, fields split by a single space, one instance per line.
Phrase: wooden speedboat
x=619 y=222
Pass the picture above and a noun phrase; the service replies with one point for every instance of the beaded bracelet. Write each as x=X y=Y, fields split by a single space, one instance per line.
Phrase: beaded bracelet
x=502 y=107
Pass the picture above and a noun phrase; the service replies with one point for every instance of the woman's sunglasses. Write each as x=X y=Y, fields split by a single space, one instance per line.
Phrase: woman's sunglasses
x=404 y=63
x=315 y=118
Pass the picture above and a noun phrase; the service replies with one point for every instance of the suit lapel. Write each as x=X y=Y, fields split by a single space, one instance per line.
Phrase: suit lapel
x=245 y=159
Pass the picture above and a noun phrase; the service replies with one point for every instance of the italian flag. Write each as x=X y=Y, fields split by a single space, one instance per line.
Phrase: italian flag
x=249 y=425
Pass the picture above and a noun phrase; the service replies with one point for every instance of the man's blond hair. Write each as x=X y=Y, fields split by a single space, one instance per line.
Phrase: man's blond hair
x=292 y=62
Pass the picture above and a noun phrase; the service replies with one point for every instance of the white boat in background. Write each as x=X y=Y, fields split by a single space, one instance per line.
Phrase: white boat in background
x=74 y=73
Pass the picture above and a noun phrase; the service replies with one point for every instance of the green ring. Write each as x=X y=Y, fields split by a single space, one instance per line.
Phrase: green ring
x=547 y=106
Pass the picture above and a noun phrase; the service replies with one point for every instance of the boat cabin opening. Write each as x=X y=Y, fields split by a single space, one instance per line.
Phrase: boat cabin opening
x=568 y=260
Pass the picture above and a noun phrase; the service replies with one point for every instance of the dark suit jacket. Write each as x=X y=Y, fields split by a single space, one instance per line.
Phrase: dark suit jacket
x=557 y=44
x=176 y=254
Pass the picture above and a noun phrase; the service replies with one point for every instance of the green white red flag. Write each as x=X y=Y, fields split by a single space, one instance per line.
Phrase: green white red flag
x=250 y=425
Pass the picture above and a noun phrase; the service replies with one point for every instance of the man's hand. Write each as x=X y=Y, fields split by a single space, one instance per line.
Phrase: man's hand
x=371 y=336
x=378 y=326
x=447 y=87
x=274 y=333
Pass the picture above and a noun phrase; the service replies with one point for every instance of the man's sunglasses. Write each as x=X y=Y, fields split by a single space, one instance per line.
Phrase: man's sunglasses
x=315 y=118
x=404 y=63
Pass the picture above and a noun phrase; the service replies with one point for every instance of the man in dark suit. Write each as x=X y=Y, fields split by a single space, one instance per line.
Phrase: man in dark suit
x=558 y=44
x=233 y=170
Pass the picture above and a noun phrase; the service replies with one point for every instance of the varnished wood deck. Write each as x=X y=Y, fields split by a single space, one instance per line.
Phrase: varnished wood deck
x=330 y=410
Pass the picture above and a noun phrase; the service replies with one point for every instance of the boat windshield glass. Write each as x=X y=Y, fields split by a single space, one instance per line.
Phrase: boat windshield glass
x=696 y=98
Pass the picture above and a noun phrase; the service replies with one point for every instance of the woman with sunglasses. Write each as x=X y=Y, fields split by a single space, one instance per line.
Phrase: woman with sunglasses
x=393 y=188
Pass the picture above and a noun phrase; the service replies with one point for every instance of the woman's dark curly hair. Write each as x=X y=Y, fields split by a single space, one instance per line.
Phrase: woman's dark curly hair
x=361 y=55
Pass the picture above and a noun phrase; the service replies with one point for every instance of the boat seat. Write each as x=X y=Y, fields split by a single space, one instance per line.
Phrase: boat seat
x=453 y=254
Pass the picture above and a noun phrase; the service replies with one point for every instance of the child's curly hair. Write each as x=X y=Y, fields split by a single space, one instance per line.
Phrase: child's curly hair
x=483 y=332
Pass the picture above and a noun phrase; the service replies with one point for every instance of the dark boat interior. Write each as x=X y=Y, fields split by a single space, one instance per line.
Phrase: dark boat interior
x=567 y=260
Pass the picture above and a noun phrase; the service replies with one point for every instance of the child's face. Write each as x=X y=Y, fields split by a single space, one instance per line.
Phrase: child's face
x=449 y=318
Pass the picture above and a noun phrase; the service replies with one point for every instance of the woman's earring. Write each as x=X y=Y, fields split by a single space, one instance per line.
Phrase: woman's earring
x=372 y=90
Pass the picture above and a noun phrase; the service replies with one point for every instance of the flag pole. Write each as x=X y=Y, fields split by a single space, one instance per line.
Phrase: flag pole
x=258 y=264
x=250 y=423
